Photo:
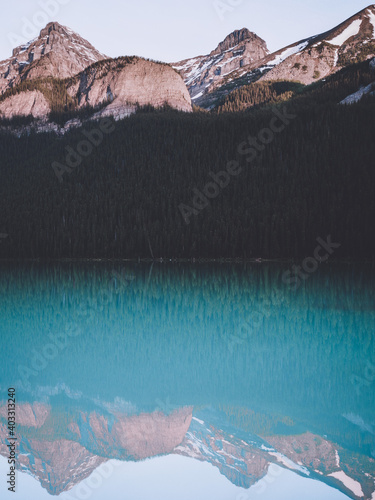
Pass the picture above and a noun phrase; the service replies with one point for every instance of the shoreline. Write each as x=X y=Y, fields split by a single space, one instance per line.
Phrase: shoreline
x=162 y=260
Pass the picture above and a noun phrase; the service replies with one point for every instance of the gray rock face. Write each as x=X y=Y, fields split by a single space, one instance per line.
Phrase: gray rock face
x=125 y=82
x=26 y=103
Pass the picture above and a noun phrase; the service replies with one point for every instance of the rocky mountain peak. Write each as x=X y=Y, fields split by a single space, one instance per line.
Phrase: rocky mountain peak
x=54 y=26
x=55 y=34
x=240 y=49
x=237 y=37
x=57 y=52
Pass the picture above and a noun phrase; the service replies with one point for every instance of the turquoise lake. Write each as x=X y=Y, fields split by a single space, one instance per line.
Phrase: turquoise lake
x=217 y=377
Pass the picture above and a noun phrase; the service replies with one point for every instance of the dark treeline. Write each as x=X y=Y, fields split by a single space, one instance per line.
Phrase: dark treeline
x=258 y=93
x=313 y=179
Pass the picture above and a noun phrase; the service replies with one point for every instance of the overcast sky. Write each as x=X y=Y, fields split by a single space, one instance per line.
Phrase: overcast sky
x=171 y=30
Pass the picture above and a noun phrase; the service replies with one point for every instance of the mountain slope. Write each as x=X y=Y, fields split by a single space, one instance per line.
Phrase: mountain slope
x=346 y=86
x=317 y=57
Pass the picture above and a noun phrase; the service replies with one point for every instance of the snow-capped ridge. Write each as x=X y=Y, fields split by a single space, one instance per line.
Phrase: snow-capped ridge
x=309 y=60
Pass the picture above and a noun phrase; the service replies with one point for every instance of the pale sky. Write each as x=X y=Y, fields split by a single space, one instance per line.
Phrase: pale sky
x=171 y=30
x=170 y=477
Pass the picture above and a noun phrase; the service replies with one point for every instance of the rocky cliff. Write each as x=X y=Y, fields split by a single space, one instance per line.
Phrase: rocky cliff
x=24 y=104
x=124 y=82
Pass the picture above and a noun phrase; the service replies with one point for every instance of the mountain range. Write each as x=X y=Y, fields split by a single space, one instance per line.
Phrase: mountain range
x=243 y=58
x=61 y=73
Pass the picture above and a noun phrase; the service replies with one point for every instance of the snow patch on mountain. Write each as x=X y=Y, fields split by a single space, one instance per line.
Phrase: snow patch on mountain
x=348 y=32
x=199 y=421
x=337 y=457
x=265 y=448
x=347 y=481
x=291 y=51
x=197 y=96
x=336 y=59
x=289 y=463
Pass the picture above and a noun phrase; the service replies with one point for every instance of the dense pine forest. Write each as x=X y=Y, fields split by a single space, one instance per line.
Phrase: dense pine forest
x=135 y=194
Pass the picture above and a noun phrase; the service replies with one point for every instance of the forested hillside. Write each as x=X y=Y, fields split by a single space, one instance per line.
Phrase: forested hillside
x=333 y=89
x=314 y=178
